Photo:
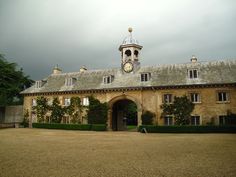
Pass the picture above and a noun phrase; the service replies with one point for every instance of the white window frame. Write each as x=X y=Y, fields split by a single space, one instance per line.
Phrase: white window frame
x=50 y=102
x=193 y=74
x=34 y=102
x=145 y=77
x=38 y=84
x=167 y=98
x=195 y=97
x=224 y=95
x=67 y=101
x=85 y=101
x=108 y=79
x=168 y=120
x=69 y=81
x=195 y=120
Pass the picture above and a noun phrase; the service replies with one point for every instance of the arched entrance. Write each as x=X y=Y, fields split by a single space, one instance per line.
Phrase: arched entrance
x=124 y=115
x=118 y=111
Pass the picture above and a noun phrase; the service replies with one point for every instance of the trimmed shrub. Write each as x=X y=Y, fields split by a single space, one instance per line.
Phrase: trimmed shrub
x=188 y=129
x=99 y=127
x=97 y=111
x=147 y=118
x=230 y=119
x=62 y=126
x=94 y=127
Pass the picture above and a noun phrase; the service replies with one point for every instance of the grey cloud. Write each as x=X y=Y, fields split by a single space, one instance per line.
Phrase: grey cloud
x=40 y=34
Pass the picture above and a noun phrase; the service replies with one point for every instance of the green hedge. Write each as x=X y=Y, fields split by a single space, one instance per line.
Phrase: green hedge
x=95 y=127
x=188 y=129
x=99 y=127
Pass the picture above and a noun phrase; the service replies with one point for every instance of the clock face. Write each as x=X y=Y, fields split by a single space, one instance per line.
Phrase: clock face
x=128 y=67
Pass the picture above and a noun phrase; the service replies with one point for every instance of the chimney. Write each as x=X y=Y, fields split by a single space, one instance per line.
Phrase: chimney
x=193 y=59
x=56 y=70
x=82 y=69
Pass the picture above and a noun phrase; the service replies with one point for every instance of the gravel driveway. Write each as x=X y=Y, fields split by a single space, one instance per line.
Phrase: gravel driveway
x=49 y=153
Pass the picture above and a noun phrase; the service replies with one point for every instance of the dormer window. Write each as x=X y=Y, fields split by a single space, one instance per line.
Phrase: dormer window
x=39 y=84
x=193 y=73
x=108 y=79
x=145 y=77
x=69 y=81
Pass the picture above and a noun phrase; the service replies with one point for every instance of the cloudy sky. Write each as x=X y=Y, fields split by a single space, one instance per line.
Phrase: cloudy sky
x=38 y=34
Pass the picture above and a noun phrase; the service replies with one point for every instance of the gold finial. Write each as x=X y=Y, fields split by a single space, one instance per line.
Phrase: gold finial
x=193 y=59
x=130 y=29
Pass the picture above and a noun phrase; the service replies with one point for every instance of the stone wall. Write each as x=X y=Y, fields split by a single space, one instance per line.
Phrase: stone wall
x=208 y=108
x=13 y=114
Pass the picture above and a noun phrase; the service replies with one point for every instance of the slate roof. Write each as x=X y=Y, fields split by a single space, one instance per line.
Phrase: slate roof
x=218 y=72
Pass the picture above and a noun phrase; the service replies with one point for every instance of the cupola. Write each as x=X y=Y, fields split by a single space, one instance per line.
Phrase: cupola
x=56 y=70
x=130 y=52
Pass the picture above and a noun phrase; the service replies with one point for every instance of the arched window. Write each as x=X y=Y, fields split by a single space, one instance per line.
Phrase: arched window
x=128 y=53
x=136 y=53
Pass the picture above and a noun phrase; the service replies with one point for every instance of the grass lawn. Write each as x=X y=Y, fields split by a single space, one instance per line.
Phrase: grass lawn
x=131 y=127
x=60 y=153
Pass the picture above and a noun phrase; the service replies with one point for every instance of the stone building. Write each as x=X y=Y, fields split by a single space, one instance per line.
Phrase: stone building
x=209 y=85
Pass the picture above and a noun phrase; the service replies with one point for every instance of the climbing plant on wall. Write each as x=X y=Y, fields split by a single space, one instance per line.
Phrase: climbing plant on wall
x=181 y=109
x=41 y=108
x=97 y=111
x=74 y=110
x=57 y=111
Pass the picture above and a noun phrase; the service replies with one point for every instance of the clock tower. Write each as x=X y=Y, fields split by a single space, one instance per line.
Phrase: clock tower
x=130 y=52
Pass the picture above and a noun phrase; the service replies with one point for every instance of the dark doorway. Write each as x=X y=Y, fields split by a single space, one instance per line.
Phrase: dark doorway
x=124 y=115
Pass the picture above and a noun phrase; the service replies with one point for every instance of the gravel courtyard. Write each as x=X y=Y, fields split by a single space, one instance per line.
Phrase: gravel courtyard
x=48 y=153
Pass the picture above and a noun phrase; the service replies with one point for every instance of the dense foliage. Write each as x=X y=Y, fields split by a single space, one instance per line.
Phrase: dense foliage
x=41 y=108
x=57 y=111
x=181 y=109
x=230 y=119
x=62 y=126
x=130 y=111
x=12 y=82
x=74 y=110
x=25 y=122
x=97 y=111
x=147 y=118
x=94 y=127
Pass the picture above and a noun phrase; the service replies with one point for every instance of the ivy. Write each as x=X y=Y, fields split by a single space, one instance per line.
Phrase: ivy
x=97 y=111
x=41 y=108
x=57 y=111
x=74 y=110
x=147 y=118
x=181 y=109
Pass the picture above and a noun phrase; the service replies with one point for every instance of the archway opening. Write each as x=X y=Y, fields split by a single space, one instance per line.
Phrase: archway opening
x=124 y=115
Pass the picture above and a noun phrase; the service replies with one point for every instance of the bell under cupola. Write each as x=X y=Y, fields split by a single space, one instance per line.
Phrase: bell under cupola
x=130 y=52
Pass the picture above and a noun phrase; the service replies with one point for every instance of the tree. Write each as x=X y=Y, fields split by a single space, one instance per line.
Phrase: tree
x=74 y=110
x=12 y=82
x=41 y=108
x=97 y=111
x=131 y=112
x=57 y=111
x=25 y=122
x=181 y=110
x=147 y=118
